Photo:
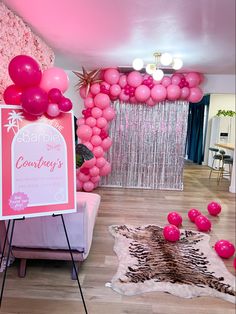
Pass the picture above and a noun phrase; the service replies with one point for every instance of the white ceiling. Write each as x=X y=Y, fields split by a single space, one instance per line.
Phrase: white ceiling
x=108 y=33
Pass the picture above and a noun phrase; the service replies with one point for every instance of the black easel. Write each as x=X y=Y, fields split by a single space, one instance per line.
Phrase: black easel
x=9 y=250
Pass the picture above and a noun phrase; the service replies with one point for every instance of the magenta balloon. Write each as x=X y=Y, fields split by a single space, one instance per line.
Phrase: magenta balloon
x=142 y=93
x=55 y=95
x=173 y=92
x=134 y=79
x=24 y=71
x=166 y=81
x=171 y=233
x=158 y=92
x=54 y=78
x=122 y=81
x=115 y=90
x=195 y=95
x=65 y=104
x=53 y=110
x=193 y=213
x=185 y=91
x=102 y=100
x=111 y=76
x=174 y=219
x=214 y=208
x=84 y=132
x=193 y=79
x=203 y=223
x=224 y=248
x=34 y=101
x=12 y=95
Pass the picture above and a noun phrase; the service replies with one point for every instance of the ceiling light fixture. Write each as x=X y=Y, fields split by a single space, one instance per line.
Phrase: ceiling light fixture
x=162 y=60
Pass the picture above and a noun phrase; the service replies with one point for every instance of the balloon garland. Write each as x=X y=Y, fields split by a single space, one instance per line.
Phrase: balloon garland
x=134 y=87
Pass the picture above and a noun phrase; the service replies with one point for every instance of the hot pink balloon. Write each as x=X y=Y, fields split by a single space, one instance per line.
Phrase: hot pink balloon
x=96 y=130
x=96 y=140
x=158 y=92
x=101 y=100
x=54 y=78
x=111 y=76
x=94 y=171
x=79 y=185
x=224 y=248
x=95 y=179
x=203 y=223
x=123 y=96
x=65 y=104
x=83 y=177
x=175 y=218
x=173 y=92
x=12 y=95
x=88 y=186
x=24 y=71
x=54 y=95
x=100 y=162
x=122 y=81
x=84 y=132
x=115 y=90
x=214 y=208
x=98 y=151
x=34 y=101
x=88 y=102
x=88 y=145
x=95 y=89
x=185 y=91
x=166 y=81
x=171 y=233
x=80 y=121
x=89 y=163
x=101 y=122
x=108 y=113
x=106 y=143
x=96 y=112
x=106 y=169
x=193 y=79
x=234 y=263
x=53 y=110
x=196 y=95
x=142 y=93
x=175 y=79
x=90 y=121
x=134 y=79
x=150 y=102
x=193 y=213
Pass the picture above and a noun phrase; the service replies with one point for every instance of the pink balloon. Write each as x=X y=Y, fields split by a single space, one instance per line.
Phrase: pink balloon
x=175 y=79
x=82 y=92
x=96 y=112
x=214 y=208
x=224 y=248
x=12 y=95
x=96 y=140
x=95 y=89
x=94 y=171
x=158 y=92
x=88 y=102
x=123 y=96
x=100 y=162
x=193 y=79
x=115 y=90
x=89 y=163
x=65 y=104
x=88 y=186
x=203 y=223
x=133 y=100
x=171 y=233
x=101 y=100
x=106 y=169
x=195 y=95
x=193 y=213
x=142 y=93
x=84 y=132
x=79 y=185
x=101 y=122
x=53 y=110
x=108 y=113
x=173 y=92
x=123 y=81
x=111 y=76
x=90 y=121
x=166 y=81
x=175 y=219
x=88 y=145
x=150 y=102
x=34 y=101
x=83 y=177
x=54 y=78
x=95 y=179
x=185 y=91
x=106 y=143
x=54 y=95
x=80 y=121
x=24 y=71
x=98 y=151
x=96 y=130
x=134 y=79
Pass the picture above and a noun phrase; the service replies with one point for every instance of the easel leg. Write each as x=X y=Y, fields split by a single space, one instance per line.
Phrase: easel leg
x=73 y=262
x=8 y=257
x=5 y=241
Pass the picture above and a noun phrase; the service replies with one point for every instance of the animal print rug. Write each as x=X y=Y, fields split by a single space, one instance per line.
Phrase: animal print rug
x=188 y=268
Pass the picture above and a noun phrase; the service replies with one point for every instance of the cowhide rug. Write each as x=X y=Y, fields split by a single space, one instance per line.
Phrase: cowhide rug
x=188 y=268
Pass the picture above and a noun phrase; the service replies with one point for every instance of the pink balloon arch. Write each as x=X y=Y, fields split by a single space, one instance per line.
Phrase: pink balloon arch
x=134 y=88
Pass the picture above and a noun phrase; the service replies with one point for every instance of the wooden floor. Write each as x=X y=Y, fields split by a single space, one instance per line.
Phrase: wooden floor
x=48 y=288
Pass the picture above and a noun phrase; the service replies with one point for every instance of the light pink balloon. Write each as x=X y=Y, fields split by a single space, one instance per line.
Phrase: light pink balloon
x=195 y=95
x=105 y=170
x=96 y=112
x=150 y=102
x=80 y=121
x=88 y=102
x=106 y=143
x=79 y=185
x=134 y=79
x=175 y=79
x=193 y=79
x=173 y=92
x=166 y=81
x=158 y=92
x=95 y=89
x=88 y=186
x=185 y=91
x=83 y=177
x=108 y=113
x=101 y=122
x=54 y=78
x=123 y=81
x=53 y=110
x=94 y=171
x=89 y=163
x=96 y=140
x=102 y=100
x=95 y=179
x=98 y=151
x=100 y=162
x=84 y=132
x=142 y=93
x=96 y=130
x=90 y=121
x=88 y=145
x=115 y=90
x=123 y=96
x=111 y=76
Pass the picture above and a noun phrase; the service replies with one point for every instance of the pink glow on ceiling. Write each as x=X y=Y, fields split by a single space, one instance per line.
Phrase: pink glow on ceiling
x=102 y=33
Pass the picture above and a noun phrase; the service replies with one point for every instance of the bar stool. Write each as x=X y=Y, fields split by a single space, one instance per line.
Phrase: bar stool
x=220 y=156
x=223 y=171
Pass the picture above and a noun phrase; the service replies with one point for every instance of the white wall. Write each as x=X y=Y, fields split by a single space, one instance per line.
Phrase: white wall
x=218 y=84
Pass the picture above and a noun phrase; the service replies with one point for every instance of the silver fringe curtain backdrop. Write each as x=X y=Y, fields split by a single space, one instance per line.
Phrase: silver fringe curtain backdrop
x=148 y=146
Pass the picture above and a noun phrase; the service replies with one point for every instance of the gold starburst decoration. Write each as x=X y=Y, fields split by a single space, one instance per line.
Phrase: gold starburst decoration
x=87 y=79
